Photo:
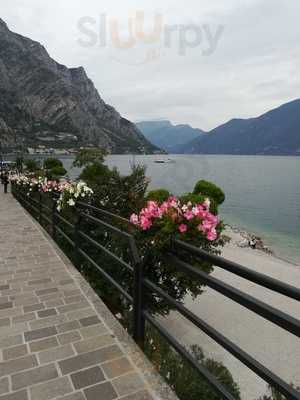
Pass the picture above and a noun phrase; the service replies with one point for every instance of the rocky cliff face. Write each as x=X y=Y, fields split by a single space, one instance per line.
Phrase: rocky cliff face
x=40 y=98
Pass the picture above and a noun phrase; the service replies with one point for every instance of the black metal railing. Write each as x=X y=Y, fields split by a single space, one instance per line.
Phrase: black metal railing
x=142 y=283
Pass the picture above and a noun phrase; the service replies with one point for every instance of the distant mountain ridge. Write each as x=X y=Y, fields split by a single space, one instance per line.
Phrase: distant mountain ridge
x=276 y=132
x=167 y=136
x=41 y=99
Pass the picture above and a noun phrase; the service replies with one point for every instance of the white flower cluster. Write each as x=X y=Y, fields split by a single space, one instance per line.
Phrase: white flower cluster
x=71 y=192
x=29 y=182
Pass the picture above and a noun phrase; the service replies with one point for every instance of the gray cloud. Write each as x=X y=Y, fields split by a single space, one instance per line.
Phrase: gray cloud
x=253 y=68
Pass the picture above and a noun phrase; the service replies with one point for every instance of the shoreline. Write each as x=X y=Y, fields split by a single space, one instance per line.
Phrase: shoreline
x=238 y=235
x=277 y=349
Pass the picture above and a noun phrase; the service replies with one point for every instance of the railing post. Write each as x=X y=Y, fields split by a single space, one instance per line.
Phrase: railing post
x=138 y=305
x=54 y=219
x=40 y=207
x=77 y=238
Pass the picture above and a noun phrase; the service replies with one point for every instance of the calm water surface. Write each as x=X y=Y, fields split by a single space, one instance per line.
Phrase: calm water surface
x=262 y=193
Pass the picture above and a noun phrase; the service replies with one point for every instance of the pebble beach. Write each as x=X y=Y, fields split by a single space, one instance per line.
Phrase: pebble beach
x=275 y=348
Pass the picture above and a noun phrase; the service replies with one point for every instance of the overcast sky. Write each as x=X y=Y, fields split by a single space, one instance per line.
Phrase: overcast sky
x=208 y=61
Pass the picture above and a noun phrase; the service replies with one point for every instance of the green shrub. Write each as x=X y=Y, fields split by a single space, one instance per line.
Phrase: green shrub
x=158 y=195
x=54 y=168
x=56 y=172
x=89 y=156
x=32 y=165
x=210 y=190
x=181 y=376
x=51 y=163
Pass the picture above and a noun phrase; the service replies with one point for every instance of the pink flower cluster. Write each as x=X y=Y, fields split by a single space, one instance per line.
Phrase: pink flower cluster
x=50 y=186
x=186 y=216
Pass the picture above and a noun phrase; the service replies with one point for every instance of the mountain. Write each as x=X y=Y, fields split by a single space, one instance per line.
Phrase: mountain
x=44 y=102
x=167 y=136
x=276 y=132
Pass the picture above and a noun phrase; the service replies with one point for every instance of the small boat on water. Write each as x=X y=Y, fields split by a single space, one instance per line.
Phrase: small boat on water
x=167 y=161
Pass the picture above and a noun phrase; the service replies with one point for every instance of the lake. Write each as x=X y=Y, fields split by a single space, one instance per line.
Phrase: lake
x=262 y=193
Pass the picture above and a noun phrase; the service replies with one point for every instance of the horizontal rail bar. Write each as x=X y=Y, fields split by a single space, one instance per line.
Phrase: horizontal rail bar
x=134 y=251
x=236 y=351
x=31 y=206
x=211 y=379
x=60 y=231
x=103 y=212
x=65 y=221
x=106 y=251
x=34 y=200
x=272 y=314
x=106 y=276
x=46 y=207
x=244 y=272
x=106 y=225
x=46 y=218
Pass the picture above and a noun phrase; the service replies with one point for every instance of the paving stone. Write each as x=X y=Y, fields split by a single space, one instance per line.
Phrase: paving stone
x=4 y=322
x=4 y=287
x=88 y=377
x=33 y=376
x=46 y=291
x=39 y=282
x=88 y=359
x=22 y=296
x=117 y=367
x=93 y=343
x=6 y=305
x=4 y=385
x=19 y=364
x=54 y=303
x=34 y=307
x=23 y=318
x=59 y=353
x=69 y=293
x=40 y=333
x=104 y=391
x=142 y=395
x=26 y=302
x=73 y=396
x=44 y=344
x=66 y=282
x=128 y=384
x=72 y=307
x=15 y=352
x=10 y=312
x=51 y=389
x=68 y=326
x=13 y=330
x=79 y=314
x=22 y=395
x=49 y=321
x=74 y=299
x=47 y=297
x=69 y=337
x=47 y=313
x=94 y=330
x=93 y=320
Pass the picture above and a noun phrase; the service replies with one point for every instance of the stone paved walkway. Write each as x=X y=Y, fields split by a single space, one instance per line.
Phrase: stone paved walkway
x=57 y=339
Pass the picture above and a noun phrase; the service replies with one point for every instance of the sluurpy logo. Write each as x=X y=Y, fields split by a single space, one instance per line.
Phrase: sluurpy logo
x=139 y=40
